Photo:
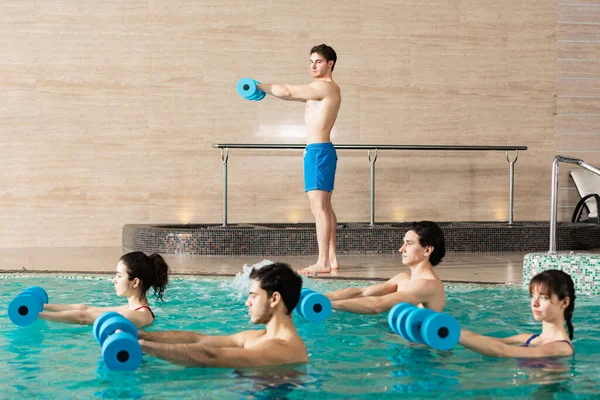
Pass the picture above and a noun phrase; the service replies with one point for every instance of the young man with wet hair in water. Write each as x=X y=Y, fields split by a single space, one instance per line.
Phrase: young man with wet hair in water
x=274 y=292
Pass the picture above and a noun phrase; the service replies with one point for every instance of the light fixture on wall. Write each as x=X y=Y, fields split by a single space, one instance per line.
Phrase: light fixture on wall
x=184 y=214
x=399 y=215
x=294 y=216
x=500 y=212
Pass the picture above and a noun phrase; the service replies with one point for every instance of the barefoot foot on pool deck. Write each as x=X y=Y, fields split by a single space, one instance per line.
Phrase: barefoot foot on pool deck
x=333 y=261
x=314 y=270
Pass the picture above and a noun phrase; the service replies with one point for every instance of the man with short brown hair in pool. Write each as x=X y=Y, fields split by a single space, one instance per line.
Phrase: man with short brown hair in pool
x=274 y=292
x=323 y=99
x=424 y=247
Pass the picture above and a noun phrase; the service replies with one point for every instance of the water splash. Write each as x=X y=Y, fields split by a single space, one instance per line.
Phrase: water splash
x=241 y=283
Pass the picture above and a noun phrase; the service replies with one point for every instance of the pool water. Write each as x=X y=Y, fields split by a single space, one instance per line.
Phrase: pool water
x=351 y=356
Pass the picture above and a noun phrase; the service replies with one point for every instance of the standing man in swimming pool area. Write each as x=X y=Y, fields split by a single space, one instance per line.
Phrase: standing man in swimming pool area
x=323 y=99
x=424 y=247
x=274 y=293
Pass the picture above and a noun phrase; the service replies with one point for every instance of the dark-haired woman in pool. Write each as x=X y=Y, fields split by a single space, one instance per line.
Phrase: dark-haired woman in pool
x=136 y=274
x=552 y=303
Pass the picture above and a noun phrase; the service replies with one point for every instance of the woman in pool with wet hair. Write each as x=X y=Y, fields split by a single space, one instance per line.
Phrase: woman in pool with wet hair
x=552 y=302
x=136 y=274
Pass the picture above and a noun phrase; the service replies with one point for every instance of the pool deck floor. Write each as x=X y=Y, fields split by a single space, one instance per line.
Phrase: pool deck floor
x=497 y=268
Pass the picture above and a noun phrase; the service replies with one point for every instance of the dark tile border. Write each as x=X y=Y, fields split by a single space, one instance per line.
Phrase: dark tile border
x=353 y=238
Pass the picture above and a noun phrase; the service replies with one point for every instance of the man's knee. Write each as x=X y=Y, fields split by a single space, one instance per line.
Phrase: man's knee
x=319 y=208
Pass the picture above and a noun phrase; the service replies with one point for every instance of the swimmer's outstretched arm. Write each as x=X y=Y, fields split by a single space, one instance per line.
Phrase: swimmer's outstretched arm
x=416 y=293
x=87 y=316
x=83 y=307
x=268 y=353
x=352 y=293
x=312 y=91
x=81 y=317
x=516 y=339
x=64 y=307
x=489 y=346
x=170 y=336
x=373 y=304
x=187 y=337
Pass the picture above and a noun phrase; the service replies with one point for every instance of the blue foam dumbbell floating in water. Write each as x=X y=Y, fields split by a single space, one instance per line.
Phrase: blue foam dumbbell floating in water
x=120 y=351
x=24 y=309
x=397 y=316
x=414 y=323
x=313 y=306
x=38 y=291
x=247 y=88
x=421 y=325
x=442 y=331
x=100 y=321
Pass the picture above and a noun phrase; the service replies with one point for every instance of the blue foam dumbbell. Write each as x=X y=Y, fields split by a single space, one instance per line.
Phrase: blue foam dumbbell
x=24 y=309
x=313 y=306
x=397 y=316
x=38 y=291
x=421 y=325
x=257 y=92
x=100 y=321
x=247 y=88
x=261 y=94
x=413 y=324
x=440 y=331
x=120 y=351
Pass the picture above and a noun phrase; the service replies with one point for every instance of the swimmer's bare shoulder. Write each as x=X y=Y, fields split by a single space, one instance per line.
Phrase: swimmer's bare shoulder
x=327 y=88
x=282 y=351
x=247 y=338
x=401 y=277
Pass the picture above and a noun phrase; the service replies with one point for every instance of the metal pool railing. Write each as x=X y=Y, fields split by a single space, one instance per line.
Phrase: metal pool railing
x=372 y=150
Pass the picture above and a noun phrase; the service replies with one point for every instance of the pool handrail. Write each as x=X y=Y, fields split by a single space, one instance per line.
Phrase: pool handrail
x=554 y=192
x=370 y=147
x=375 y=148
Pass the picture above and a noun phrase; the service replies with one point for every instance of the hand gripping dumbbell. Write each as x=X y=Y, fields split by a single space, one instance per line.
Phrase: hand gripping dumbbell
x=24 y=309
x=120 y=351
x=313 y=306
x=421 y=325
x=247 y=88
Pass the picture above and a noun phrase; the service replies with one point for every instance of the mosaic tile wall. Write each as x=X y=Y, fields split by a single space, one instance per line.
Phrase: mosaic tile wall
x=583 y=268
x=353 y=238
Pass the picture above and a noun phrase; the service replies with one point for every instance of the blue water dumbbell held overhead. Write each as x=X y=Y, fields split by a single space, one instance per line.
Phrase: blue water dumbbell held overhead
x=421 y=325
x=247 y=88
x=313 y=306
x=120 y=351
x=24 y=309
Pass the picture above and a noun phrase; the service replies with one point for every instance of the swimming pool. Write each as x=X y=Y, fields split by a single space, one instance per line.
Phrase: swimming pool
x=351 y=356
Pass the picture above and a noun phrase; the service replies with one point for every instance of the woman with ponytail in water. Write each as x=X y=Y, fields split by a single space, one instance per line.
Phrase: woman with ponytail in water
x=136 y=274
x=552 y=302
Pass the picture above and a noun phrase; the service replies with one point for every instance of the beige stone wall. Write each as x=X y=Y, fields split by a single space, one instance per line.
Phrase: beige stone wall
x=109 y=109
x=578 y=91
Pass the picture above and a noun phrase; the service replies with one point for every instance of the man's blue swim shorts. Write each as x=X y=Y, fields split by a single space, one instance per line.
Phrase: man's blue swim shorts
x=320 y=161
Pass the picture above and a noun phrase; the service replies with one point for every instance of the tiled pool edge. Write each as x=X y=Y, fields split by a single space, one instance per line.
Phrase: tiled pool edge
x=353 y=238
x=584 y=268
x=108 y=274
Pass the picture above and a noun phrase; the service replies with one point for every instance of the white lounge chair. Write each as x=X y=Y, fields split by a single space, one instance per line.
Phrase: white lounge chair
x=588 y=186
